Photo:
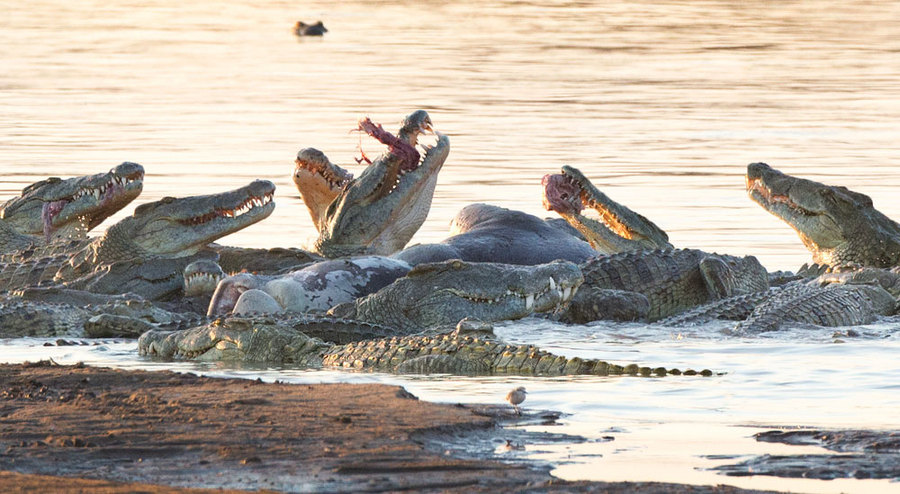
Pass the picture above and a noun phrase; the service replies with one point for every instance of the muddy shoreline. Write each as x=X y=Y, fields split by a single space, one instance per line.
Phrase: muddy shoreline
x=78 y=428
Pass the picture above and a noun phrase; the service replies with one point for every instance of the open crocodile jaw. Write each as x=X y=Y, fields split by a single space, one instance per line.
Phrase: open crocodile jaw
x=764 y=196
x=405 y=151
x=103 y=201
x=96 y=198
x=604 y=215
x=186 y=234
x=308 y=171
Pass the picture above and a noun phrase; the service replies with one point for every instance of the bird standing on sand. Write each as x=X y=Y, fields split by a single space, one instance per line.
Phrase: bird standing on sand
x=515 y=397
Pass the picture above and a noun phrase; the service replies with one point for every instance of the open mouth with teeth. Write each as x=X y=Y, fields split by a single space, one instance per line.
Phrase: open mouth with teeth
x=97 y=197
x=550 y=297
x=314 y=163
x=404 y=157
x=248 y=207
x=605 y=214
x=568 y=194
x=167 y=227
x=201 y=277
x=780 y=204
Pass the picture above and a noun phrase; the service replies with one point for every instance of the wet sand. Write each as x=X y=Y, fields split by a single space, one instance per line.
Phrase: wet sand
x=86 y=429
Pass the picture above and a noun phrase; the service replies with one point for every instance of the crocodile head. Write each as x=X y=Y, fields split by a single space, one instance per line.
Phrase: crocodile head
x=60 y=208
x=201 y=277
x=179 y=227
x=443 y=293
x=319 y=182
x=235 y=338
x=380 y=211
x=611 y=227
x=838 y=226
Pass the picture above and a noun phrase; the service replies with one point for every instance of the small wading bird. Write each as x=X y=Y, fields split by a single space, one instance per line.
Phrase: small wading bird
x=515 y=397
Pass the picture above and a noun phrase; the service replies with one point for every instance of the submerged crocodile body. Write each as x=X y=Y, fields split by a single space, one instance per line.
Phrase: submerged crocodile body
x=671 y=281
x=77 y=313
x=845 y=299
x=471 y=349
x=487 y=233
x=837 y=225
x=59 y=209
x=613 y=227
x=380 y=211
x=147 y=252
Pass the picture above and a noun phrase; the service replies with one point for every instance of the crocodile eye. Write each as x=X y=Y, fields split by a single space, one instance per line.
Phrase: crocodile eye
x=564 y=196
x=167 y=200
x=457 y=264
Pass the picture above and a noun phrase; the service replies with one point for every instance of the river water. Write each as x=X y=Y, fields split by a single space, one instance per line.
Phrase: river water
x=661 y=103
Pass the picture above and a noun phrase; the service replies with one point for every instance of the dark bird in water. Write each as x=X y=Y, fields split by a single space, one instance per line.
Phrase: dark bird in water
x=303 y=29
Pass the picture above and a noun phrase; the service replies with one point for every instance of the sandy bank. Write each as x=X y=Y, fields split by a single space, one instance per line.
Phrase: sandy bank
x=84 y=429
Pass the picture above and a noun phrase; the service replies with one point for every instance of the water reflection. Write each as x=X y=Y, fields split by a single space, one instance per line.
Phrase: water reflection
x=662 y=103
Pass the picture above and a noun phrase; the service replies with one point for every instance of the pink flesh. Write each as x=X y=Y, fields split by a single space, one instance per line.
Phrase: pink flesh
x=560 y=195
x=49 y=211
x=408 y=155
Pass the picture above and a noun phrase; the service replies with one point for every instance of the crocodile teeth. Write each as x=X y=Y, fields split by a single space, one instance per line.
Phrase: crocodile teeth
x=529 y=301
x=552 y=284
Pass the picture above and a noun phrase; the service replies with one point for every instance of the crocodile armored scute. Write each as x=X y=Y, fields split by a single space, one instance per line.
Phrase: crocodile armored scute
x=456 y=352
x=87 y=314
x=831 y=305
x=441 y=294
x=830 y=300
x=470 y=355
x=19 y=318
x=672 y=280
x=736 y=308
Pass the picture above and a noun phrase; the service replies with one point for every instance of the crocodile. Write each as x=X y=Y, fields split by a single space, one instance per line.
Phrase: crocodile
x=837 y=225
x=672 y=281
x=832 y=299
x=834 y=304
x=55 y=312
x=431 y=296
x=488 y=233
x=147 y=252
x=441 y=294
x=319 y=182
x=613 y=228
x=56 y=208
x=470 y=349
x=319 y=286
x=379 y=211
